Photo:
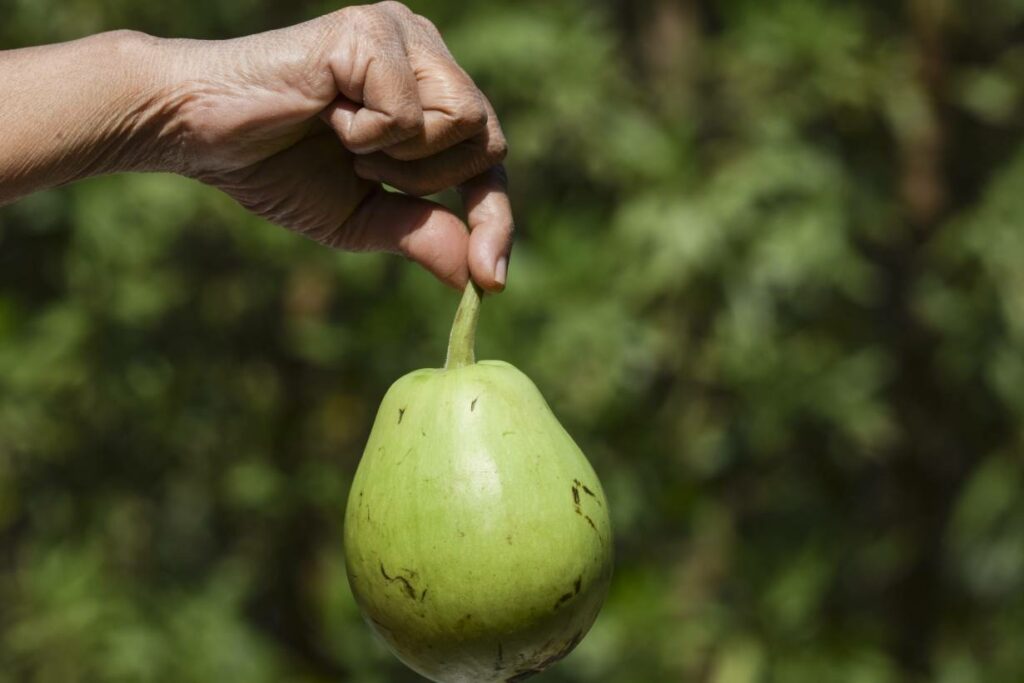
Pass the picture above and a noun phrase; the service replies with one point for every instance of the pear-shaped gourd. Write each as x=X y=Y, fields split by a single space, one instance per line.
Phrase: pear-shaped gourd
x=477 y=538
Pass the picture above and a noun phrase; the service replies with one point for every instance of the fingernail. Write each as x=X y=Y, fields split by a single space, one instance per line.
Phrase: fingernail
x=501 y=270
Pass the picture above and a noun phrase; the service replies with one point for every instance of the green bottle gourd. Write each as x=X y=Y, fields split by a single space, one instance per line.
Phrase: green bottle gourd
x=477 y=538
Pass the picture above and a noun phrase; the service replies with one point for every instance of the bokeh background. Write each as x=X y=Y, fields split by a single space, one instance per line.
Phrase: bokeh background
x=769 y=273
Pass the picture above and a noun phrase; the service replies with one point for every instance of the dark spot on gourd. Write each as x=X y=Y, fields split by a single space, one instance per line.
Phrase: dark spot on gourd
x=575 y=495
x=507 y=433
x=576 y=586
x=523 y=674
x=472 y=404
x=590 y=522
x=407 y=587
x=423 y=595
x=499 y=664
x=588 y=491
x=563 y=599
x=401 y=414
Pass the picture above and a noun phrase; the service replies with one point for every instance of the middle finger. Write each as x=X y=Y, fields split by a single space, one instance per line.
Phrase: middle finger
x=454 y=110
x=447 y=168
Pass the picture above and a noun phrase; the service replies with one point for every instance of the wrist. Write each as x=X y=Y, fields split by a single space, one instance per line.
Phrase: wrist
x=227 y=104
x=152 y=90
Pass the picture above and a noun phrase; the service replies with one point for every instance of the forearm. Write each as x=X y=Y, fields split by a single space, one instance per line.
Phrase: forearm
x=87 y=107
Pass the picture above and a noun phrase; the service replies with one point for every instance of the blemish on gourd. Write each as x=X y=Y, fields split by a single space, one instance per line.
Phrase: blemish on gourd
x=423 y=595
x=575 y=495
x=472 y=404
x=407 y=587
x=563 y=599
x=499 y=664
x=507 y=433
x=586 y=490
x=577 y=585
x=522 y=675
x=401 y=414
x=380 y=625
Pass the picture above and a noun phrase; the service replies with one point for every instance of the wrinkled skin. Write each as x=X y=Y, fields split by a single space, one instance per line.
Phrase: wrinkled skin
x=301 y=125
x=477 y=536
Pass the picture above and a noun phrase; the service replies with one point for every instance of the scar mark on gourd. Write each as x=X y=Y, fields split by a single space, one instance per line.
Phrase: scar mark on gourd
x=575 y=495
x=591 y=523
x=522 y=675
x=507 y=433
x=407 y=588
x=380 y=625
x=586 y=490
x=563 y=599
x=472 y=404
x=401 y=414
x=423 y=595
x=577 y=584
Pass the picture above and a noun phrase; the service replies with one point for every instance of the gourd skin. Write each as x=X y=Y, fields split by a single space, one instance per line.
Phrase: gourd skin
x=477 y=537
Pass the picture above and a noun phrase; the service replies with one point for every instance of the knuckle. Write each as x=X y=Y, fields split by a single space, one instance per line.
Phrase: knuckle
x=393 y=7
x=369 y=22
x=408 y=121
x=497 y=149
x=360 y=14
x=426 y=24
x=471 y=114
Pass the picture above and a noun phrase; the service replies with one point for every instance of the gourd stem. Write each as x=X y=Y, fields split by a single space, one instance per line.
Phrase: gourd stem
x=463 y=336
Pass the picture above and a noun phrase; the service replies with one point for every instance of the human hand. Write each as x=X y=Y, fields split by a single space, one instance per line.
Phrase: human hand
x=303 y=125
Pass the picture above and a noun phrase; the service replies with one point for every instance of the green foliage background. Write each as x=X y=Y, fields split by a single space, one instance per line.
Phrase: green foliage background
x=769 y=272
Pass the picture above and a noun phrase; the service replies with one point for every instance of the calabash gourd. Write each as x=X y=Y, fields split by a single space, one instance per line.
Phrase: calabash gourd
x=477 y=538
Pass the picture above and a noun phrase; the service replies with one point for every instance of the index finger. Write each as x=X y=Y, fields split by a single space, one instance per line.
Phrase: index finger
x=489 y=215
x=379 y=104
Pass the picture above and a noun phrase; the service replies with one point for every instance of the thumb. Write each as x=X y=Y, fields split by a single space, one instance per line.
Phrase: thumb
x=422 y=230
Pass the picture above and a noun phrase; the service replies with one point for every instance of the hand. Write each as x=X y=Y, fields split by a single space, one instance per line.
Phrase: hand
x=302 y=125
